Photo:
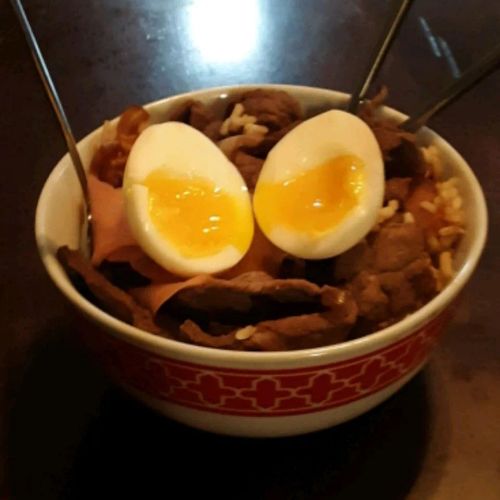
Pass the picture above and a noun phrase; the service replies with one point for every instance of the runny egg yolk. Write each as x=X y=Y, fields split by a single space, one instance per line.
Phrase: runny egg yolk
x=313 y=201
x=198 y=218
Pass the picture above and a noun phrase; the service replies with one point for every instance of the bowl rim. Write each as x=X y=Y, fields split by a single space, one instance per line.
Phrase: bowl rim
x=372 y=341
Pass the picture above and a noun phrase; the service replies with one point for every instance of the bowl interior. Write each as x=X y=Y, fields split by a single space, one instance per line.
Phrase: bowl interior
x=59 y=208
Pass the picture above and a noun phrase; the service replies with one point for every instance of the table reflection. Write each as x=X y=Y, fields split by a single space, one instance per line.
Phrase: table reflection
x=223 y=31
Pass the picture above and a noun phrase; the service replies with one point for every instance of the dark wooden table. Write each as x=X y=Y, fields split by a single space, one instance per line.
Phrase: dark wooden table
x=65 y=432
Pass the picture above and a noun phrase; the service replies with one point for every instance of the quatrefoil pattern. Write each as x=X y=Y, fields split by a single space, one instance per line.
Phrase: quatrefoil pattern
x=265 y=392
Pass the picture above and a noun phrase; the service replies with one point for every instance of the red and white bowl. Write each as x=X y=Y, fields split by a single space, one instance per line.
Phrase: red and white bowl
x=249 y=393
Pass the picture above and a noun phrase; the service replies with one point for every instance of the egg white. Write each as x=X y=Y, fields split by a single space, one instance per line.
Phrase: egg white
x=179 y=151
x=310 y=144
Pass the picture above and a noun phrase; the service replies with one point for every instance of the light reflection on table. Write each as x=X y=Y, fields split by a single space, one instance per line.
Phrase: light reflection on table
x=223 y=32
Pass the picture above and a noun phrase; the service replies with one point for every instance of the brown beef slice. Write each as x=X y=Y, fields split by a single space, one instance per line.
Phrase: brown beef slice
x=190 y=332
x=392 y=248
x=387 y=132
x=238 y=294
x=390 y=137
x=294 y=332
x=405 y=160
x=273 y=108
x=411 y=287
x=372 y=301
x=353 y=261
x=113 y=299
x=131 y=123
x=396 y=245
x=108 y=163
x=369 y=107
x=403 y=157
x=193 y=113
x=422 y=275
x=388 y=296
x=399 y=289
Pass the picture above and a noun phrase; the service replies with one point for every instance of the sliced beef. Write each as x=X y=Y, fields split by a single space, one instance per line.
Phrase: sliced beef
x=389 y=274
x=131 y=123
x=190 y=332
x=297 y=332
x=402 y=156
x=396 y=245
x=422 y=275
x=393 y=247
x=373 y=303
x=113 y=299
x=108 y=162
x=273 y=108
x=269 y=301
x=252 y=296
x=353 y=261
x=410 y=288
x=369 y=107
x=294 y=332
x=389 y=136
x=385 y=297
x=405 y=160
x=122 y=275
x=146 y=268
x=199 y=116
x=241 y=294
x=400 y=291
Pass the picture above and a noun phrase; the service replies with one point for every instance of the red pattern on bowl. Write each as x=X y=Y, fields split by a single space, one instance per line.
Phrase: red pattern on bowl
x=264 y=393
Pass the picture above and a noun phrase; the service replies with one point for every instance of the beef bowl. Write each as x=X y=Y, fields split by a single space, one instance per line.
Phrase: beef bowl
x=233 y=386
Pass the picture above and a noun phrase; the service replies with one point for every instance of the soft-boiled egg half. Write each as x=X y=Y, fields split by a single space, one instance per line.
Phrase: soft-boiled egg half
x=321 y=186
x=187 y=205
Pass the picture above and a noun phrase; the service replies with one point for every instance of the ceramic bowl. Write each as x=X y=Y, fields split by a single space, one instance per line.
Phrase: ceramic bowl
x=254 y=393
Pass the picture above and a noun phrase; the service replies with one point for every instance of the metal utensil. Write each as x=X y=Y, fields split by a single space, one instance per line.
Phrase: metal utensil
x=471 y=77
x=57 y=106
x=393 y=23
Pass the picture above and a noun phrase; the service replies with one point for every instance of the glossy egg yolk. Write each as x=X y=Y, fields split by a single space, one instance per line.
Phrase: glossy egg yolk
x=198 y=218
x=313 y=201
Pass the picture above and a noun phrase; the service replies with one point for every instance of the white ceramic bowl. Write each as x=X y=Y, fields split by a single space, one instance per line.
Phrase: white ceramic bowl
x=249 y=393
